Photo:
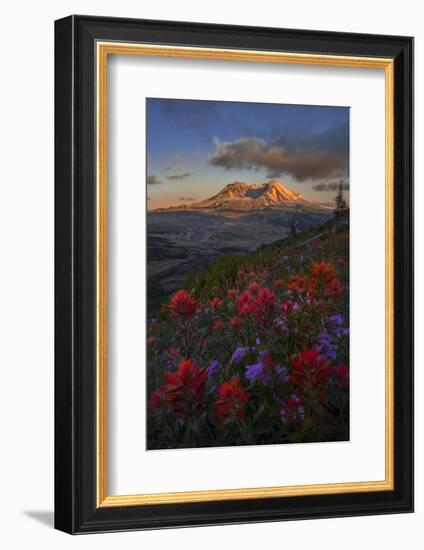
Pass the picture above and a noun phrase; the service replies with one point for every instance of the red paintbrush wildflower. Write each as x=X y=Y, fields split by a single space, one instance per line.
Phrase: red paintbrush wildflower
x=323 y=282
x=298 y=285
x=235 y=323
x=323 y=270
x=218 y=324
x=157 y=400
x=254 y=288
x=292 y=410
x=216 y=303
x=279 y=283
x=287 y=308
x=152 y=340
x=184 y=390
x=265 y=303
x=341 y=374
x=311 y=373
x=231 y=400
x=172 y=357
x=232 y=293
x=245 y=305
x=172 y=353
x=182 y=305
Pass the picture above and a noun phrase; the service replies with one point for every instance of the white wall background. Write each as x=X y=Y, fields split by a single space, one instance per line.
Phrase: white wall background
x=26 y=273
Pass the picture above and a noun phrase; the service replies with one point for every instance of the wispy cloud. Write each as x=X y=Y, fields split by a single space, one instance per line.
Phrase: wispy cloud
x=331 y=186
x=186 y=199
x=152 y=180
x=179 y=176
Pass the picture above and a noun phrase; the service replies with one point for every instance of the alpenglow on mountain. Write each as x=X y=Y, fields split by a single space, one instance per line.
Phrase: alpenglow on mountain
x=239 y=196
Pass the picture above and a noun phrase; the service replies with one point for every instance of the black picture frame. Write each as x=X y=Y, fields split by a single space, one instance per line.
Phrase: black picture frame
x=76 y=510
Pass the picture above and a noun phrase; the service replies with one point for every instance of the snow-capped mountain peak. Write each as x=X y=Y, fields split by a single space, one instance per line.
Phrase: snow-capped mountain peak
x=241 y=196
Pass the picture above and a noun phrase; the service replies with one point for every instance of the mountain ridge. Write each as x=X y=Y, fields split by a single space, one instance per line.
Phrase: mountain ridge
x=241 y=197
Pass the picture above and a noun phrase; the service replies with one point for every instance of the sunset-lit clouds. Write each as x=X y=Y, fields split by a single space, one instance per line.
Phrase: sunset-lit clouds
x=152 y=180
x=303 y=160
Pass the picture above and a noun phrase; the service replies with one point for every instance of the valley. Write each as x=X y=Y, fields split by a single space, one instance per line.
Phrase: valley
x=182 y=242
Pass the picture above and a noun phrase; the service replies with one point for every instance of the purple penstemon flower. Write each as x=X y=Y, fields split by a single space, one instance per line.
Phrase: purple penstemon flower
x=281 y=323
x=335 y=325
x=214 y=365
x=238 y=355
x=260 y=371
x=256 y=372
x=336 y=319
x=326 y=347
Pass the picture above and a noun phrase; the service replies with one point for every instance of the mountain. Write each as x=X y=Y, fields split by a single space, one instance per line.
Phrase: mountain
x=241 y=197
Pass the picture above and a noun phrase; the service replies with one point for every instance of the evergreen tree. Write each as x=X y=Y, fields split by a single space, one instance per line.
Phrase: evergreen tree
x=293 y=228
x=340 y=200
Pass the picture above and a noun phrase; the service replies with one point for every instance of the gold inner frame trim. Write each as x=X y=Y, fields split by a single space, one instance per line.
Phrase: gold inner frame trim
x=103 y=50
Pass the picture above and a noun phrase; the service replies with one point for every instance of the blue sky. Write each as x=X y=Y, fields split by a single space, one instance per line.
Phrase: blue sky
x=194 y=148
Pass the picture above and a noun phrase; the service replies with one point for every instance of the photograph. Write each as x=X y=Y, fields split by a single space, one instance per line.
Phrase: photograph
x=233 y=273
x=247 y=273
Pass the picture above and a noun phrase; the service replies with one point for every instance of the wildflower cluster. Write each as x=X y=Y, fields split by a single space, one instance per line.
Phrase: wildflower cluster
x=258 y=355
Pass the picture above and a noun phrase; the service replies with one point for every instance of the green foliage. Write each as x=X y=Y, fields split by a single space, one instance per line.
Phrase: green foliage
x=223 y=272
x=340 y=200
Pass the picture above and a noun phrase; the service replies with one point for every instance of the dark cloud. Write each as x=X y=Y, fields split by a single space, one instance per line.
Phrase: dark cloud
x=331 y=186
x=152 y=180
x=179 y=176
x=186 y=199
x=334 y=140
x=323 y=156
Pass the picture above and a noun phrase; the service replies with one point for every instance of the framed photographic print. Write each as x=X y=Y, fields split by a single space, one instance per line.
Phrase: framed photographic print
x=234 y=274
